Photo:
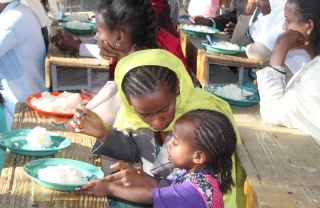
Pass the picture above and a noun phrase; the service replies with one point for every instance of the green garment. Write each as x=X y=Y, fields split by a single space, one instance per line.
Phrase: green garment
x=190 y=98
x=3 y=128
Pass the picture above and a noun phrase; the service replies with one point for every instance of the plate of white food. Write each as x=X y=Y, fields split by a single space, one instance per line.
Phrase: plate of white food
x=223 y=47
x=33 y=142
x=235 y=95
x=61 y=174
x=77 y=27
x=75 y=17
x=198 y=30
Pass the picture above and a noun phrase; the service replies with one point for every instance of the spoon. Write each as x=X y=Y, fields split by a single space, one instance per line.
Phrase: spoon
x=209 y=39
x=62 y=125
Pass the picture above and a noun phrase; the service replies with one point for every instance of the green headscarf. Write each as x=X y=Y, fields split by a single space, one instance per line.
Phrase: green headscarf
x=190 y=98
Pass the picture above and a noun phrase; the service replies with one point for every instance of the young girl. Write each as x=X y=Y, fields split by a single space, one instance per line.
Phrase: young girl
x=201 y=146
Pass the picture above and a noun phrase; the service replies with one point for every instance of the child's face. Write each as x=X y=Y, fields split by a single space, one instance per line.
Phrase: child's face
x=181 y=147
x=103 y=33
x=156 y=109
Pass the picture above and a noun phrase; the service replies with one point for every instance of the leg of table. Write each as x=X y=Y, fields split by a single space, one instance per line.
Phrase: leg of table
x=54 y=76
x=89 y=79
x=241 y=70
x=202 y=69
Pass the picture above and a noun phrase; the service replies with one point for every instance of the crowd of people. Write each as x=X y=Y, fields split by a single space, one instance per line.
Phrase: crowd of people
x=184 y=137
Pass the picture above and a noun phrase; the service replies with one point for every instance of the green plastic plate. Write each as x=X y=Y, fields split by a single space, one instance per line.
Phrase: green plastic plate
x=251 y=100
x=89 y=171
x=187 y=29
x=222 y=51
x=75 y=31
x=15 y=141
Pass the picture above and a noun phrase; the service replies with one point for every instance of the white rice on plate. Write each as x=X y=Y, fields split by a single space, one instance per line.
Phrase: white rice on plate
x=225 y=45
x=77 y=25
x=63 y=103
x=196 y=28
x=62 y=174
x=39 y=138
x=77 y=17
x=232 y=91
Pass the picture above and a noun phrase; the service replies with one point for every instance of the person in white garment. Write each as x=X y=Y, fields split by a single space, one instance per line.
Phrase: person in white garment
x=296 y=104
x=22 y=55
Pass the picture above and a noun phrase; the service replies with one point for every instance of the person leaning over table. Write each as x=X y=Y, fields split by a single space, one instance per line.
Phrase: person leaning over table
x=295 y=105
x=22 y=55
x=226 y=22
x=155 y=90
x=260 y=36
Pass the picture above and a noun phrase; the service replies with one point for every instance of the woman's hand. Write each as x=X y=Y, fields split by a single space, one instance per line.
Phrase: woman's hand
x=90 y=124
x=107 y=52
x=64 y=41
x=128 y=175
x=200 y=20
x=229 y=29
x=88 y=93
x=96 y=187
x=286 y=41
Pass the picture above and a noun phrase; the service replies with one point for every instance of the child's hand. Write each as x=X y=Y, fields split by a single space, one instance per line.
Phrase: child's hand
x=131 y=176
x=96 y=187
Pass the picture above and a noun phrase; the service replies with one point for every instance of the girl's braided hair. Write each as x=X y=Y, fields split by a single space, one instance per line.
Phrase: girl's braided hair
x=136 y=15
x=215 y=135
x=310 y=10
x=147 y=79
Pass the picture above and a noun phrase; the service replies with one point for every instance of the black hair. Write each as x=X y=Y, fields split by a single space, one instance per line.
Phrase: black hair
x=136 y=15
x=215 y=135
x=147 y=79
x=2 y=101
x=310 y=10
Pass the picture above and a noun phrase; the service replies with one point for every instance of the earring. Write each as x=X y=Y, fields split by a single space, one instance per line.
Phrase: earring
x=308 y=32
x=117 y=44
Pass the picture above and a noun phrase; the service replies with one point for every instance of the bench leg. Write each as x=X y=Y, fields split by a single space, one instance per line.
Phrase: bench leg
x=54 y=77
x=241 y=70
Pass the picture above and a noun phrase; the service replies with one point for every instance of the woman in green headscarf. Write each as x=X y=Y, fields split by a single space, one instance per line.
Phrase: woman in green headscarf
x=155 y=90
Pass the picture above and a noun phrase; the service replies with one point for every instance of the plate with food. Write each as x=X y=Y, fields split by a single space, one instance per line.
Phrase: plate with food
x=234 y=94
x=223 y=47
x=61 y=174
x=198 y=30
x=33 y=142
x=75 y=17
x=57 y=103
x=77 y=27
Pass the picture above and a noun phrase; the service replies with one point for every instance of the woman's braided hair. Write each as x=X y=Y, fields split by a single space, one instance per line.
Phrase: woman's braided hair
x=142 y=80
x=137 y=16
x=215 y=135
x=310 y=10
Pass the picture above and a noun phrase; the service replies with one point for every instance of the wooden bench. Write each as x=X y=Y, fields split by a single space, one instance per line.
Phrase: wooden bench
x=278 y=166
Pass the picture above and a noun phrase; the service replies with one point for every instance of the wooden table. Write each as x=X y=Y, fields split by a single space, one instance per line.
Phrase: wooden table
x=199 y=59
x=278 y=166
x=56 y=57
x=18 y=190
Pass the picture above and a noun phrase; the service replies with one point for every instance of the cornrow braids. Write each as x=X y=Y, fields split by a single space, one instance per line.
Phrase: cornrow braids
x=147 y=79
x=310 y=10
x=136 y=16
x=215 y=135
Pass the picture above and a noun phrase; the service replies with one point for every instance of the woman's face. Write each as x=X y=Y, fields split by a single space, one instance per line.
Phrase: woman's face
x=103 y=33
x=157 y=109
x=264 y=6
x=292 y=20
x=181 y=147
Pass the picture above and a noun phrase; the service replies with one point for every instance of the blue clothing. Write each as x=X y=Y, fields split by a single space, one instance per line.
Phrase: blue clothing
x=3 y=128
x=22 y=56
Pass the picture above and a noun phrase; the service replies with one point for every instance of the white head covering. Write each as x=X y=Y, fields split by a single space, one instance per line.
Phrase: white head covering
x=38 y=10
x=267 y=28
x=6 y=1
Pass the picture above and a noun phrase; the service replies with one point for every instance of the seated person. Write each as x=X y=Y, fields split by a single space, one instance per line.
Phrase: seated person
x=226 y=22
x=296 y=104
x=205 y=8
x=262 y=34
x=155 y=90
x=201 y=147
x=22 y=55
